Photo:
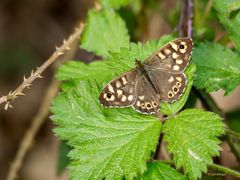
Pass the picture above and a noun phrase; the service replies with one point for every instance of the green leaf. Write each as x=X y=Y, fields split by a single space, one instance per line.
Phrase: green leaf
x=116 y=4
x=192 y=139
x=63 y=160
x=161 y=171
x=108 y=143
x=77 y=71
x=217 y=67
x=170 y=109
x=125 y=60
x=105 y=31
x=233 y=10
x=233 y=25
x=233 y=120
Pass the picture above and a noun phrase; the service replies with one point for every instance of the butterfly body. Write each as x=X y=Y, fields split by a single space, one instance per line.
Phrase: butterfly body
x=159 y=78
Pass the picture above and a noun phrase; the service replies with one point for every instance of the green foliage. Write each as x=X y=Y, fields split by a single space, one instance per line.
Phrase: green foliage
x=117 y=143
x=106 y=143
x=161 y=171
x=105 y=31
x=125 y=60
x=63 y=160
x=114 y=3
x=217 y=67
x=191 y=137
x=233 y=120
x=233 y=25
x=73 y=72
x=233 y=10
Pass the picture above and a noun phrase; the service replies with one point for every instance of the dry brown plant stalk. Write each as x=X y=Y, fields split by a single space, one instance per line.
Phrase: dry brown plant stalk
x=27 y=82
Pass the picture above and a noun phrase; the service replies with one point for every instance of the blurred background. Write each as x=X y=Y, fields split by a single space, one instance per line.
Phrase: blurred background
x=29 y=33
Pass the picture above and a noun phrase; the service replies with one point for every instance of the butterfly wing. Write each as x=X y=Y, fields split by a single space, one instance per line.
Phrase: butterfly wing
x=166 y=68
x=120 y=92
x=146 y=101
x=171 y=86
x=172 y=57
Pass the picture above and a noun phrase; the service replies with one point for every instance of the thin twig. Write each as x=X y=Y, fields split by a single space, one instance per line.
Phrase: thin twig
x=225 y=170
x=27 y=82
x=182 y=18
x=37 y=122
x=52 y=90
x=189 y=18
x=216 y=167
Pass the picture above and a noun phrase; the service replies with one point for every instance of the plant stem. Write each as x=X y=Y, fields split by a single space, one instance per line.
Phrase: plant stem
x=233 y=133
x=208 y=102
x=224 y=170
x=216 y=167
x=182 y=18
x=189 y=18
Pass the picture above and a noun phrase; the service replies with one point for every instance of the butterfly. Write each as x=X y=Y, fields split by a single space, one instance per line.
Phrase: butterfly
x=160 y=78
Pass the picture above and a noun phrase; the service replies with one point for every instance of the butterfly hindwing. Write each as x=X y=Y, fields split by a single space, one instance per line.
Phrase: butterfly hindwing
x=120 y=91
x=147 y=101
x=170 y=86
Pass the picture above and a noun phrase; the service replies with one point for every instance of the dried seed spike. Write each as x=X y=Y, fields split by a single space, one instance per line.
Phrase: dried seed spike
x=24 y=78
x=60 y=53
x=6 y=106
x=40 y=76
x=10 y=93
x=32 y=73
x=64 y=41
x=28 y=85
x=57 y=48
x=21 y=94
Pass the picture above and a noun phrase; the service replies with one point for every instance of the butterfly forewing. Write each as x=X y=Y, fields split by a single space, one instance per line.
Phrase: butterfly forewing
x=173 y=57
x=120 y=92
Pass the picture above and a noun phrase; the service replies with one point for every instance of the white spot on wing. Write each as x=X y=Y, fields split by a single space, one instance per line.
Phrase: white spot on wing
x=124 y=80
x=171 y=79
x=124 y=98
x=174 y=46
x=110 y=88
x=130 y=97
x=141 y=98
x=179 y=61
x=174 y=55
x=176 y=67
x=118 y=84
x=161 y=55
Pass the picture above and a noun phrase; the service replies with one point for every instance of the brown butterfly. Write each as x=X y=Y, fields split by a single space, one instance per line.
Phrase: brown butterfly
x=160 y=78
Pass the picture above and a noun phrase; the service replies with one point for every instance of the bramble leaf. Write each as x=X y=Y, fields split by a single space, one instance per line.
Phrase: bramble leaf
x=125 y=60
x=107 y=144
x=217 y=67
x=105 y=31
x=233 y=10
x=161 y=171
x=192 y=139
x=116 y=4
x=233 y=25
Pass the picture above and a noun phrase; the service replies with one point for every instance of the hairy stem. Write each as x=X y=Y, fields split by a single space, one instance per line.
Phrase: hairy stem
x=224 y=170
x=189 y=17
x=216 y=167
x=27 y=82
